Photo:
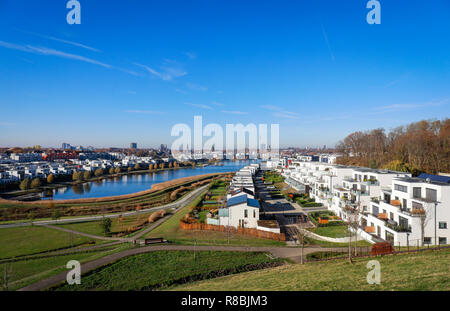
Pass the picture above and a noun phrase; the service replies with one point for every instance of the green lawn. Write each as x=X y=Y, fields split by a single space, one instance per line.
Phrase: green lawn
x=423 y=271
x=164 y=268
x=171 y=231
x=28 y=271
x=93 y=227
x=35 y=239
x=332 y=231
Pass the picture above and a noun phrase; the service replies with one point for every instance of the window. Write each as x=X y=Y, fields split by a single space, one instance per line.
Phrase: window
x=442 y=241
x=431 y=194
x=246 y=213
x=417 y=192
x=375 y=210
x=254 y=213
x=416 y=205
x=403 y=222
x=391 y=216
x=426 y=240
x=442 y=225
x=401 y=188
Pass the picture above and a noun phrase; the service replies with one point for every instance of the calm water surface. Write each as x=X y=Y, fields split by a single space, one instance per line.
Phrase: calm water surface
x=127 y=184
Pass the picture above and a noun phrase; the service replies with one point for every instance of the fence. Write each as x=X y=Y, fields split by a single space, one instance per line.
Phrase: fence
x=370 y=251
x=242 y=231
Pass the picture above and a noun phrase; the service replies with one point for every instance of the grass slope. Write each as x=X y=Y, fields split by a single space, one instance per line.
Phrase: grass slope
x=421 y=271
x=171 y=231
x=35 y=239
x=151 y=270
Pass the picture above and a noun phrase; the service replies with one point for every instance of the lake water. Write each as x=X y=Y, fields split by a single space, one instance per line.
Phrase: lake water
x=132 y=183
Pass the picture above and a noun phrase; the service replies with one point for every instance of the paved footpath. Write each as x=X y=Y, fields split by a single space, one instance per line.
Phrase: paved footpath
x=281 y=252
x=187 y=198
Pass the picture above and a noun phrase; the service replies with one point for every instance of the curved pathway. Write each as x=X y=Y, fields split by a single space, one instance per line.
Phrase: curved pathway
x=329 y=239
x=175 y=204
x=292 y=253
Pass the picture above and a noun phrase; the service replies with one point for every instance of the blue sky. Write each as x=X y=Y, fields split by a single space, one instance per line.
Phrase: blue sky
x=133 y=69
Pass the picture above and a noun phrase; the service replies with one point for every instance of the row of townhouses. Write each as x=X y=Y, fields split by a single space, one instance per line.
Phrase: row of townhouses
x=16 y=171
x=391 y=205
x=242 y=209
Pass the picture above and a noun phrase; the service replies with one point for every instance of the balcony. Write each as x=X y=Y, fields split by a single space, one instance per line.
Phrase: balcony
x=398 y=228
x=383 y=216
x=370 y=229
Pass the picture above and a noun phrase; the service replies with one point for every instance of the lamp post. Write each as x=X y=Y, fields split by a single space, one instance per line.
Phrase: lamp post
x=407 y=241
x=435 y=224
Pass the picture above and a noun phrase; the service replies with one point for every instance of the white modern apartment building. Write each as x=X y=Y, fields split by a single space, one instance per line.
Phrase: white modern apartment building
x=413 y=211
x=391 y=205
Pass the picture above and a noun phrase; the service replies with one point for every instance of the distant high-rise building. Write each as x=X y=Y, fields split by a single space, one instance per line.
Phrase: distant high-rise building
x=133 y=146
x=65 y=146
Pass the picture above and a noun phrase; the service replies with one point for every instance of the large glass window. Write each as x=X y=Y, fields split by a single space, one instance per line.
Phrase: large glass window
x=375 y=210
x=401 y=188
x=417 y=192
x=245 y=213
x=402 y=222
x=431 y=194
x=442 y=225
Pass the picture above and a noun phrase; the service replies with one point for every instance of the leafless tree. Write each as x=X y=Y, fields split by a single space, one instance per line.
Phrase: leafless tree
x=298 y=233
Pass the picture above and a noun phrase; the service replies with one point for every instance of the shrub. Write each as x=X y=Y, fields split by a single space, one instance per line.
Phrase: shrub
x=25 y=184
x=36 y=183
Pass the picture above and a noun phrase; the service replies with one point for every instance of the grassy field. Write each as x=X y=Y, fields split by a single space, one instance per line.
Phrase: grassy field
x=36 y=239
x=28 y=271
x=171 y=231
x=332 y=231
x=93 y=227
x=423 y=271
x=164 y=268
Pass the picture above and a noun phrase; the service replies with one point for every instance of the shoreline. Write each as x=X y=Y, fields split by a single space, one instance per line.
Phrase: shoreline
x=154 y=188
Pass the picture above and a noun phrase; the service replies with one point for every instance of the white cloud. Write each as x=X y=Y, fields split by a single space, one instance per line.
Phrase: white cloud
x=191 y=55
x=217 y=104
x=411 y=106
x=280 y=112
x=196 y=87
x=61 y=40
x=234 y=112
x=144 y=111
x=51 y=52
x=199 y=106
x=166 y=73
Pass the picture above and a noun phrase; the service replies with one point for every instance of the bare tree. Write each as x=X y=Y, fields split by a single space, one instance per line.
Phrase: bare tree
x=298 y=233
x=353 y=220
x=424 y=218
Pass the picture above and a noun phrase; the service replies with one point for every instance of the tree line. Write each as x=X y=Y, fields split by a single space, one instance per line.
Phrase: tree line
x=81 y=176
x=418 y=147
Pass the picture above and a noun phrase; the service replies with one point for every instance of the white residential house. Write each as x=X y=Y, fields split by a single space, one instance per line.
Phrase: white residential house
x=240 y=212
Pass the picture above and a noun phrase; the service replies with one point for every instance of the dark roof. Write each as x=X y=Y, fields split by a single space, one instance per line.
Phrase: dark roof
x=439 y=178
x=248 y=191
x=242 y=199
x=237 y=200
x=253 y=203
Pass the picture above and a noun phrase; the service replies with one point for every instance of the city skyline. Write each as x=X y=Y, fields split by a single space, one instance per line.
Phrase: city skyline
x=317 y=69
